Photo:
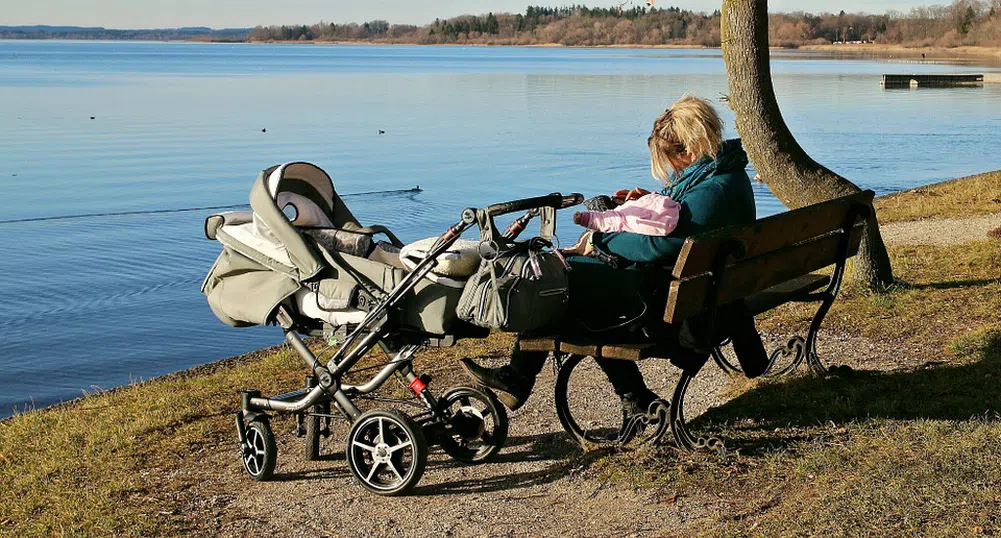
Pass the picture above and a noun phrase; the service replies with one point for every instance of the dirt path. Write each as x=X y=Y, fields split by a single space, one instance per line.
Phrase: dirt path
x=940 y=231
x=539 y=486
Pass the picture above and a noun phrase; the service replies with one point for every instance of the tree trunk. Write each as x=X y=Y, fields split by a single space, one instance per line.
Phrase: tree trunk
x=795 y=178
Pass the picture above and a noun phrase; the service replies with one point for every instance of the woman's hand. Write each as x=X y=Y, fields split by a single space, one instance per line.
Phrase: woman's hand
x=582 y=248
x=626 y=195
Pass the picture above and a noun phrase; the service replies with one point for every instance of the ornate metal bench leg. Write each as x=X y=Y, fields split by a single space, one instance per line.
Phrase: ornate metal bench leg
x=720 y=359
x=794 y=347
x=679 y=427
x=810 y=348
x=812 y=358
x=659 y=414
x=566 y=364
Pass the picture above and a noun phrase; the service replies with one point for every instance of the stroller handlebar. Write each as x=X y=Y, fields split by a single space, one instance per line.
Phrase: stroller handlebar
x=554 y=200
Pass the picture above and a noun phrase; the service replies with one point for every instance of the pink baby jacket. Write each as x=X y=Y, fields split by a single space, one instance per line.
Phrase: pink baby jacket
x=652 y=214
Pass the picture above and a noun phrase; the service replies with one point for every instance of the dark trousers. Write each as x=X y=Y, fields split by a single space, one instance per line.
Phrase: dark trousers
x=624 y=376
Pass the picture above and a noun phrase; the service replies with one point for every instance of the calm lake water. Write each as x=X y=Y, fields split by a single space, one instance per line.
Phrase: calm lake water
x=101 y=301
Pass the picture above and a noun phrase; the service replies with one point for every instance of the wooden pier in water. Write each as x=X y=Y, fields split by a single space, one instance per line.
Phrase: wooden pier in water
x=933 y=80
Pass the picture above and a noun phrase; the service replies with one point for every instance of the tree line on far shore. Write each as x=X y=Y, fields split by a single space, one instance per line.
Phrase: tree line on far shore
x=964 y=22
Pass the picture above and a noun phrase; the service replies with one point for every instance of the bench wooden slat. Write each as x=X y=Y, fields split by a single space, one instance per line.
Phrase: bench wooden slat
x=768 y=234
x=627 y=352
x=687 y=297
x=539 y=344
x=774 y=296
x=586 y=349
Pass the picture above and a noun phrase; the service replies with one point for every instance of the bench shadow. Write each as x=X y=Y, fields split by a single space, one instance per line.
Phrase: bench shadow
x=939 y=392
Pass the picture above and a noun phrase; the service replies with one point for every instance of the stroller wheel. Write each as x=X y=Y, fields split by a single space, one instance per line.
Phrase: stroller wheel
x=478 y=427
x=386 y=452
x=260 y=452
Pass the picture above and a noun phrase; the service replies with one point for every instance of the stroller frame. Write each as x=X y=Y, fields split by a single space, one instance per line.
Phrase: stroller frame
x=451 y=428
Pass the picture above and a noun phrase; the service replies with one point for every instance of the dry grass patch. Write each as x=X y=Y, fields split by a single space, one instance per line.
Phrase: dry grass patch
x=942 y=292
x=964 y=197
x=95 y=467
x=906 y=453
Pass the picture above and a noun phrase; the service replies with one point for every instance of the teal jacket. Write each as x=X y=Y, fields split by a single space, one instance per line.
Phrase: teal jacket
x=713 y=193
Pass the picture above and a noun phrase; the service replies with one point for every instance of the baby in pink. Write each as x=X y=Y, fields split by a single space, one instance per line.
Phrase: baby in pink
x=652 y=214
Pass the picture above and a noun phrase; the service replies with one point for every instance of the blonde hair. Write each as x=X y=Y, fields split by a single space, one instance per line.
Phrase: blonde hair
x=689 y=125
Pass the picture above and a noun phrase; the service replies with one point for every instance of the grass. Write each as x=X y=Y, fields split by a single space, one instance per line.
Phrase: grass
x=964 y=197
x=900 y=453
x=96 y=466
x=941 y=293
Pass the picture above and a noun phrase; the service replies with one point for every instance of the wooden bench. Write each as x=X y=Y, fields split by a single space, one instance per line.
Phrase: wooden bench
x=770 y=262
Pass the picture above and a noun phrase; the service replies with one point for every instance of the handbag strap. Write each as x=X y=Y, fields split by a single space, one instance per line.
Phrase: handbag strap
x=547 y=223
x=488 y=230
x=488 y=235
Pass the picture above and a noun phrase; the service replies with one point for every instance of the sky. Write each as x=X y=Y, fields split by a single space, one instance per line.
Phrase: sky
x=247 y=13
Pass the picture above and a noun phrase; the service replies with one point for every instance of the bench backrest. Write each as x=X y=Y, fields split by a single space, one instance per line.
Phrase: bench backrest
x=775 y=249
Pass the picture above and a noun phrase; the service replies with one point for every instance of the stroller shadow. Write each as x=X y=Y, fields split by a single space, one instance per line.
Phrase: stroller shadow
x=557 y=448
x=337 y=471
x=936 y=392
x=524 y=449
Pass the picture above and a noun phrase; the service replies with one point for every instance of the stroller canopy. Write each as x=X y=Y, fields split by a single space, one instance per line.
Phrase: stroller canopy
x=299 y=194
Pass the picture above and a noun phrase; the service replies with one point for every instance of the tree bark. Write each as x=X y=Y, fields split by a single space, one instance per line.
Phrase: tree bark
x=795 y=178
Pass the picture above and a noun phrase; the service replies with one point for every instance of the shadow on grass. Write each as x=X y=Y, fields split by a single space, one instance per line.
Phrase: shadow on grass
x=951 y=285
x=947 y=392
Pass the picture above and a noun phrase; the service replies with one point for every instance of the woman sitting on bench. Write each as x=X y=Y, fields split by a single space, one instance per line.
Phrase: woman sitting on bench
x=615 y=274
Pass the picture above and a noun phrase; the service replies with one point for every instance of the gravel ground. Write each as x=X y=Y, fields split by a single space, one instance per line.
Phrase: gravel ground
x=535 y=487
x=940 y=231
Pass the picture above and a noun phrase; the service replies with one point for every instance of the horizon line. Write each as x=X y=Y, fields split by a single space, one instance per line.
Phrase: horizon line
x=321 y=21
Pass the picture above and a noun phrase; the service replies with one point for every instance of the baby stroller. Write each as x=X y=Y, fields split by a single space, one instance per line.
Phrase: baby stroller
x=301 y=260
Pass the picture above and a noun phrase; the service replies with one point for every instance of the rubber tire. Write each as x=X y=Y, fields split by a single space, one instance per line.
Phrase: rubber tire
x=500 y=417
x=563 y=406
x=419 y=444
x=312 y=439
x=267 y=470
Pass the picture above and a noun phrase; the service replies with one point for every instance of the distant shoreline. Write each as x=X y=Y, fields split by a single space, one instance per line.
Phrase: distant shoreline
x=871 y=48
x=875 y=49
x=986 y=56
x=927 y=53
x=529 y=45
x=991 y=54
